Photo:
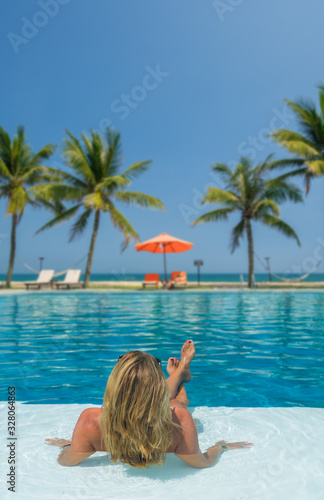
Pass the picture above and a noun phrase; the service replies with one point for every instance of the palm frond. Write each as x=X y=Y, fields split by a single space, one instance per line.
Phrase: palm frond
x=17 y=201
x=295 y=142
x=34 y=174
x=113 y=153
x=237 y=233
x=123 y=225
x=262 y=167
x=280 y=190
x=5 y=149
x=56 y=175
x=95 y=201
x=62 y=217
x=139 y=199
x=76 y=158
x=51 y=192
x=136 y=169
x=43 y=154
x=216 y=195
x=112 y=183
x=223 y=170
x=214 y=216
x=53 y=206
x=315 y=167
x=266 y=206
x=309 y=120
x=96 y=156
x=300 y=148
x=80 y=224
x=286 y=163
x=245 y=163
x=321 y=98
x=4 y=171
x=280 y=226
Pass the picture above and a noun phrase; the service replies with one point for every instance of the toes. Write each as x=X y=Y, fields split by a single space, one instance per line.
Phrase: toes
x=185 y=345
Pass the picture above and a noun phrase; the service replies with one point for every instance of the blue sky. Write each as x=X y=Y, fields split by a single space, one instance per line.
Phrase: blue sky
x=206 y=81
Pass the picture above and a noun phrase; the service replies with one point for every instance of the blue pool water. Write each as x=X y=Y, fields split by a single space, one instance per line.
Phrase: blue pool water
x=253 y=348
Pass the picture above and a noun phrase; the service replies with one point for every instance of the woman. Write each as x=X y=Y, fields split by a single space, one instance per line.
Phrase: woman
x=136 y=425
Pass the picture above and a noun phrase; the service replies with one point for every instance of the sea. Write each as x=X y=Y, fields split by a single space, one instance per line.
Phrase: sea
x=192 y=277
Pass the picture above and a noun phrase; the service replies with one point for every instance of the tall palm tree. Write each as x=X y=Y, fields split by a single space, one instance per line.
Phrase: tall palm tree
x=19 y=170
x=93 y=185
x=307 y=145
x=249 y=191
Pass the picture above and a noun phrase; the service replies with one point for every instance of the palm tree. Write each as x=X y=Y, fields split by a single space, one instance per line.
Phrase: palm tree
x=307 y=145
x=249 y=190
x=19 y=170
x=94 y=185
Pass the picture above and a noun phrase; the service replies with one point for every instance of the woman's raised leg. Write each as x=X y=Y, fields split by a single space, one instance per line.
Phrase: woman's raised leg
x=179 y=371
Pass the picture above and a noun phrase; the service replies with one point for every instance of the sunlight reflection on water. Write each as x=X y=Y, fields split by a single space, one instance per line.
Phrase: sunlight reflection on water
x=252 y=348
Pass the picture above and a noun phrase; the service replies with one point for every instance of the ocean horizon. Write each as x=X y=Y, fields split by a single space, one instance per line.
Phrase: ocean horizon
x=192 y=277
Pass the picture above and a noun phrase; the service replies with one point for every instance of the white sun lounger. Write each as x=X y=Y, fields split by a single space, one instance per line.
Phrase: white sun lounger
x=72 y=279
x=44 y=279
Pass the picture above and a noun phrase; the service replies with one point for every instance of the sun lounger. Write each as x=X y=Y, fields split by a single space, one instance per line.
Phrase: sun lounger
x=44 y=279
x=71 y=280
x=179 y=278
x=151 y=279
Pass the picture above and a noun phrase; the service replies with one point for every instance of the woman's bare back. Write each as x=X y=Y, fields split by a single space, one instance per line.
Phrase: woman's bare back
x=87 y=433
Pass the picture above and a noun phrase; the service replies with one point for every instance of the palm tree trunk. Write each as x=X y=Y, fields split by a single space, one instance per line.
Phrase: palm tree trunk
x=12 y=249
x=251 y=252
x=92 y=245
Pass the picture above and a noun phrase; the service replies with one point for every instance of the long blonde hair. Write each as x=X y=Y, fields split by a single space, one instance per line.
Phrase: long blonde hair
x=136 y=422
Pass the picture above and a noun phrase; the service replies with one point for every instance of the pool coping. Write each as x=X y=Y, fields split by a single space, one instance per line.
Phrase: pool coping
x=11 y=292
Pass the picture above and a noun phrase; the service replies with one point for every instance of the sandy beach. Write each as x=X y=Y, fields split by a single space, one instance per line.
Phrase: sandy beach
x=137 y=285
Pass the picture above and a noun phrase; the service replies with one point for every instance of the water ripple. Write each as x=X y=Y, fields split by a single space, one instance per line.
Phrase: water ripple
x=254 y=349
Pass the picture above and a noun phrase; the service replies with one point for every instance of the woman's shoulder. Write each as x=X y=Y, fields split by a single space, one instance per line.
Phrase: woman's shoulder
x=89 y=425
x=181 y=414
x=188 y=440
x=183 y=418
x=91 y=416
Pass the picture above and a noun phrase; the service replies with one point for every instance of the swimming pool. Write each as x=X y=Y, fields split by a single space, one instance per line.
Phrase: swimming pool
x=253 y=348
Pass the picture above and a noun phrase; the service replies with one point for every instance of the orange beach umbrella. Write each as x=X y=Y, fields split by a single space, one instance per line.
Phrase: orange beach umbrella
x=164 y=243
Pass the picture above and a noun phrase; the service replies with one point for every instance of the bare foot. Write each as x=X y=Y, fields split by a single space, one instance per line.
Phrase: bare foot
x=187 y=353
x=172 y=365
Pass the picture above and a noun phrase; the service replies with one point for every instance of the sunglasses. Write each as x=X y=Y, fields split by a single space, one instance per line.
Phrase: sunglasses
x=159 y=362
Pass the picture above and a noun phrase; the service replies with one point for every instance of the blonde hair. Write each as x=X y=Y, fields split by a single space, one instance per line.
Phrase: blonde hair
x=136 y=422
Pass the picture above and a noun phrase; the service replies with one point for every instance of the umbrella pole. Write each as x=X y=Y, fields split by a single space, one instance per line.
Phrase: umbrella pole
x=165 y=269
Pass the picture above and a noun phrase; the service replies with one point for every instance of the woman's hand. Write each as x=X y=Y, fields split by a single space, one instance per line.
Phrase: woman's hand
x=57 y=442
x=233 y=446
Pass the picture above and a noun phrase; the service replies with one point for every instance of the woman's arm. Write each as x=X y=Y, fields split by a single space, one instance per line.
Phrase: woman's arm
x=80 y=447
x=202 y=460
x=68 y=458
x=209 y=458
x=188 y=449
